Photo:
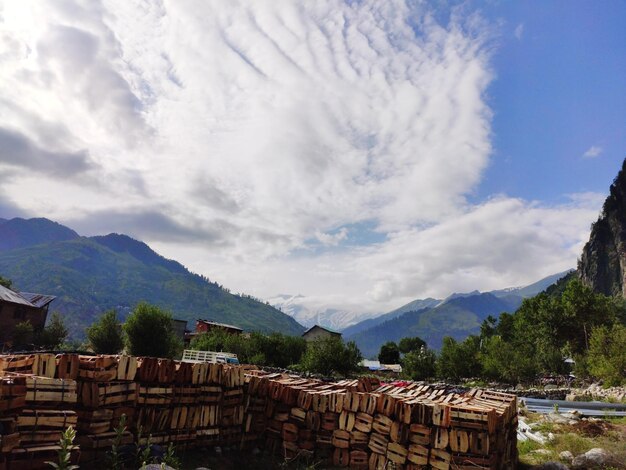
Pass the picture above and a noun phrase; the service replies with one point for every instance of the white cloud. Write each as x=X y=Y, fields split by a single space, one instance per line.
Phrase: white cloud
x=257 y=131
x=519 y=31
x=593 y=152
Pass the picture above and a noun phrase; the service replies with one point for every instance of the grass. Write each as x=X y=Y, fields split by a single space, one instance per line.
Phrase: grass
x=578 y=439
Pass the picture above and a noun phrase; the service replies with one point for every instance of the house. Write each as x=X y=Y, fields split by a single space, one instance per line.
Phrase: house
x=20 y=307
x=204 y=326
x=319 y=332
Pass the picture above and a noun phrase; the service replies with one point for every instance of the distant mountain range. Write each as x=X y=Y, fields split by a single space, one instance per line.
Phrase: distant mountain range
x=90 y=275
x=459 y=315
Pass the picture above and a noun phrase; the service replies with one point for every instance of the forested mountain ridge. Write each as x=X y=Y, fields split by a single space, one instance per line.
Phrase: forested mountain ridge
x=92 y=275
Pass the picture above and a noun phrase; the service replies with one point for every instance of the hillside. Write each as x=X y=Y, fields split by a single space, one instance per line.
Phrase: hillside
x=457 y=317
x=19 y=233
x=91 y=275
x=602 y=265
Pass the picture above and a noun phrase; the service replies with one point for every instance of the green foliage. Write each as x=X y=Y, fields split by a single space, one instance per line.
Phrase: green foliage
x=607 y=354
x=105 y=335
x=459 y=360
x=114 y=458
x=149 y=332
x=54 y=333
x=5 y=282
x=389 y=353
x=22 y=334
x=407 y=345
x=419 y=364
x=92 y=275
x=504 y=361
x=65 y=451
x=170 y=459
x=275 y=350
x=331 y=355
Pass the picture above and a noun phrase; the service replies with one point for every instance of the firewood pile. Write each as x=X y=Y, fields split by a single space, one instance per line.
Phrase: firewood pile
x=410 y=427
x=350 y=423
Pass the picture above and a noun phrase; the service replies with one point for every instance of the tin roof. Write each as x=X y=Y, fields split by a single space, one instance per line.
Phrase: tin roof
x=322 y=328
x=13 y=297
x=222 y=325
x=38 y=300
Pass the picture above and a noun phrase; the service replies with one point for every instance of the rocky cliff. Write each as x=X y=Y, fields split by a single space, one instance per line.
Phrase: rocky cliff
x=602 y=265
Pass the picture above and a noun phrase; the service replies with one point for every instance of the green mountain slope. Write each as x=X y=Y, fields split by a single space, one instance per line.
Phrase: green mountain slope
x=19 y=233
x=457 y=317
x=91 y=275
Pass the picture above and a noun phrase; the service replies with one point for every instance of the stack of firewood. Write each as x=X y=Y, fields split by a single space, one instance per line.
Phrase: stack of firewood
x=107 y=392
x=39 y=395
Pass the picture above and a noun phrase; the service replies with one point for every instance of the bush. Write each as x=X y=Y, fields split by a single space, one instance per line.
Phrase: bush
x=105 y=335
x=149 y=332
x=53 y=335
x=5 y=282
x=22 y=334
x=331 y=355
x=459 y=360
x=407 y=345
x=607 y=354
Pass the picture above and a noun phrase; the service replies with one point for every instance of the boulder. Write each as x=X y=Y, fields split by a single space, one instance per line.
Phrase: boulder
x=551 y=466
x=566 y=456
x=593 y=458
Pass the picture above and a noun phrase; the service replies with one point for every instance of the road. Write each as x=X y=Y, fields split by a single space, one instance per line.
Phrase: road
x=586 y=408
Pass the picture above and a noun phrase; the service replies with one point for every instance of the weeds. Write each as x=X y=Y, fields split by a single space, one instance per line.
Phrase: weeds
x=65 y=452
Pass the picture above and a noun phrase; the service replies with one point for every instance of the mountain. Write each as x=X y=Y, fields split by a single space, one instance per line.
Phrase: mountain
x=602 y=265
x=309 y=311
x=413 y=306
x=19 y=233
x=92 y=275
x=458 y=315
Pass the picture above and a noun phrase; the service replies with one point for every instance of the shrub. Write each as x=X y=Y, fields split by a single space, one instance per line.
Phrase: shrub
x=53 y=335
x=331 y=355
x=607 y=354
x=149 y=332
x=105 y=335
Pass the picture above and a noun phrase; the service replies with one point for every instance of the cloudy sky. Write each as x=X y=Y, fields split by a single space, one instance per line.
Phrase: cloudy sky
x=361 y=153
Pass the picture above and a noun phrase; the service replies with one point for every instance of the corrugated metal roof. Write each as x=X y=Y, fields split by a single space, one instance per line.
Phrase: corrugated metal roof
x=223 y=325
x=322 y=328
x=9 y=296
x=38 y=300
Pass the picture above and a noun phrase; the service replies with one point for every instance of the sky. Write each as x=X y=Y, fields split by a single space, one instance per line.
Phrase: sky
x=359 y=153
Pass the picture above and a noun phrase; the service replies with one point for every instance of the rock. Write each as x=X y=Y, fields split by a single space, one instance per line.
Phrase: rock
x=551 y=466
x=566 y=455
x=541 y=452
x=556 y=418
x=593 y=458
x=550 y=387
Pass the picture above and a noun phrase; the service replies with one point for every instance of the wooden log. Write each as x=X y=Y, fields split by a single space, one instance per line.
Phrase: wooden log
x=341 y=457
x=126 y=368
x=397 y=453
x=377 y=462
x=439 y=459
x=378 y=443
x=418 y=454
x=67 y=366
x=341 y=439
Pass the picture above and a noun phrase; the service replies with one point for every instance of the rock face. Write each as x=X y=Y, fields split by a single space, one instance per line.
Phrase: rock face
x=602 y=265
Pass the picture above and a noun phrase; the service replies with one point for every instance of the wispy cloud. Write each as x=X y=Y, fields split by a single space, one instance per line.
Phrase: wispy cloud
x=519 y=31
x=593 y=152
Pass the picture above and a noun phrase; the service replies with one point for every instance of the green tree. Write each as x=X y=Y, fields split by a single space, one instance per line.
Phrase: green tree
x=459 y=360
x=22 y=334
x=105 y=335
x=407 y=345
x=502 y=360
x=419 y=364
x=389 y=353
x=607 y=354
x=331 y=355
x=6 y=282
x=53 y=334
x=149 y=332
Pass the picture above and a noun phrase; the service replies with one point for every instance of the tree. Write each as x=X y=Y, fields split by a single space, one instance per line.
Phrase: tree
x=22 y=334
x=420 y=364
x=331 y=355
x=53 y=335
x=502 y=360
x=105 y=335
x=407 y=345
x=389 y=353
x=459 y=360
x=607 y=354
x=5 y=282
x=149 y=332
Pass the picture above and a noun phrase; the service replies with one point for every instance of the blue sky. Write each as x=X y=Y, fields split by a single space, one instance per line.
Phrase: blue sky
x=362 y=154
x=559 y=90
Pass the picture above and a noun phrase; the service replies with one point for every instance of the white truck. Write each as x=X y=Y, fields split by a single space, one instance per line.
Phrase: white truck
x=191 y=355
